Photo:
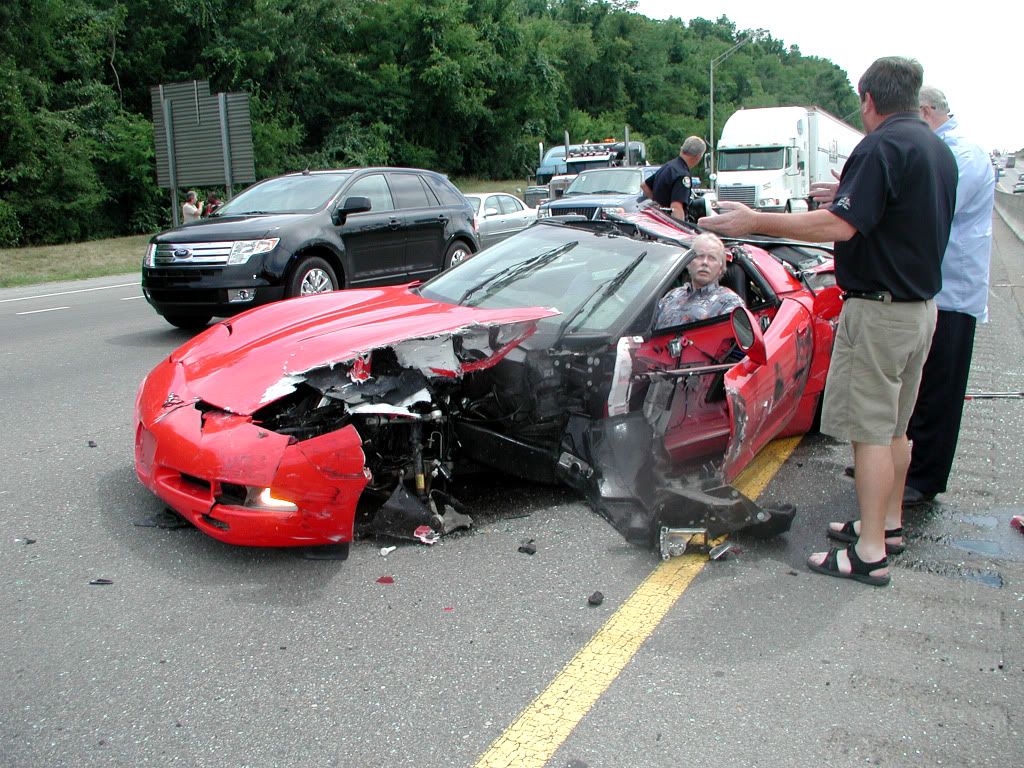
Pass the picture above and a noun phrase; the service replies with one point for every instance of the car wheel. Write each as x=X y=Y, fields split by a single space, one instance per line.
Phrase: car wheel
x=458 y=252
x=312 y=275
x=188 y=322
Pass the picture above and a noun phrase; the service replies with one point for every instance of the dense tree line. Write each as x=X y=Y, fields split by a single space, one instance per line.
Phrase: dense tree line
x=468 y=87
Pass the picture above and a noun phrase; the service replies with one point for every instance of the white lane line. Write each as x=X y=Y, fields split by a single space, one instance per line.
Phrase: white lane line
x=65 y=293
x=132 y=298
x=37 y=311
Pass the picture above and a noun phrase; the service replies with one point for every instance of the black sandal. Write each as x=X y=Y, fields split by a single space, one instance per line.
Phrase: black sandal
x=859 y=570
x=848 y=535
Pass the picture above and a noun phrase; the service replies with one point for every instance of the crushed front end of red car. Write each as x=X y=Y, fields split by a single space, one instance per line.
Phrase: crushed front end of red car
x=259 y=455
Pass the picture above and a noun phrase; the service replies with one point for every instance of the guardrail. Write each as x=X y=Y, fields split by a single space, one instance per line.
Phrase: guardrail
x=1011 y=208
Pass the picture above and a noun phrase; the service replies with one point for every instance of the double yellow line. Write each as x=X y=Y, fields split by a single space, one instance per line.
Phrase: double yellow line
x=546 y=723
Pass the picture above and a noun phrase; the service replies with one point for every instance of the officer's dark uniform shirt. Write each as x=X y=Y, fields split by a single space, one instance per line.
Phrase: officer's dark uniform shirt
x=672 y=183
x=898 y=190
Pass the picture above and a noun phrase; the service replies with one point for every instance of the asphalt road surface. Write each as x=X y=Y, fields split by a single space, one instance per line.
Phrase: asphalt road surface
x=201 y=654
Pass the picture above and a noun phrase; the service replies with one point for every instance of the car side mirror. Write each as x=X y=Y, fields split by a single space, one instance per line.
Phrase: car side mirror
x=748 y=334
x=490 y=212
x=351 y=205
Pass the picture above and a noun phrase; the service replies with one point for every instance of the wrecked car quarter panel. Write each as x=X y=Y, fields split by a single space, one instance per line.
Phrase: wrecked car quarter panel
x=320 y=419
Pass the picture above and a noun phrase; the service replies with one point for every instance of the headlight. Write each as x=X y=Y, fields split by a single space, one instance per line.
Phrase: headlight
x=543 y=213
x=263 y=498
x=243 y=249
x=149 y=260
x=618 y=210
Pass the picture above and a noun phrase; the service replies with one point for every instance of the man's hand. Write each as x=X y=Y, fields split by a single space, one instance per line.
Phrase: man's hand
x=824 y=192
x=735 y=220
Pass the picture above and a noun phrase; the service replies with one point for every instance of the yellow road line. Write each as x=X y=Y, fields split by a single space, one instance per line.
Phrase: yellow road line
x=547 y=722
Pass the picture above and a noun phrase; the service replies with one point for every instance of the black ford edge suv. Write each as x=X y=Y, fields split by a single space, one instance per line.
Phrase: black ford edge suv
x=305 y=233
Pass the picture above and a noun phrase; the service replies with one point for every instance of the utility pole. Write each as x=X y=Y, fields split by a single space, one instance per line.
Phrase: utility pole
x=711 y=79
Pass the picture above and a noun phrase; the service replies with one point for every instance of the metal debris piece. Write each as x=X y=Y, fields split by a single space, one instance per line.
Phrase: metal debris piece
x=723 y=550
x=672 y=542
x=1017 y=521
x=26 y=542
x=385 y=551
x=528 y=547
x=101 y=582
x=426 y=534
x=92 y=443
x=595 y=599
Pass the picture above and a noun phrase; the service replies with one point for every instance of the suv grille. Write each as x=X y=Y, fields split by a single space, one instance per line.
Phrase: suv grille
x=739 y=194
x=189 y=254
x=589 y=211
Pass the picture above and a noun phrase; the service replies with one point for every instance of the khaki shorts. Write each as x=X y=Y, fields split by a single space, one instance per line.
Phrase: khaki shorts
x=880 y=349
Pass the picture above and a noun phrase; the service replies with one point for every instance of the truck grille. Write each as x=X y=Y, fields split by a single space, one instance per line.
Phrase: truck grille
x=739 y=194
x=189 y=254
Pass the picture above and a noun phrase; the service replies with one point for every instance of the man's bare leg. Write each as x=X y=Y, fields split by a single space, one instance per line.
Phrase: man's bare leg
x=879 y=499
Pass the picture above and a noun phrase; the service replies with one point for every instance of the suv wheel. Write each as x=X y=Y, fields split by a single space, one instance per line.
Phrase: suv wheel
x=188 y=322
x=458 y=252
x=312 y=275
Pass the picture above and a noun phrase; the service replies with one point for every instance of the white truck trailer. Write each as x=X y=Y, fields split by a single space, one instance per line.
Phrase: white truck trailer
x=768 y=157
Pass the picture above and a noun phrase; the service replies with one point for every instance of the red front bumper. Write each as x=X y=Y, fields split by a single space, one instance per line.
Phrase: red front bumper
x=201 y=465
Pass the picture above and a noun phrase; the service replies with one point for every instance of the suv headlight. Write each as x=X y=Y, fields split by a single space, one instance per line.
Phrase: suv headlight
x=149 y=260
x=243 y=249
x=543 y=213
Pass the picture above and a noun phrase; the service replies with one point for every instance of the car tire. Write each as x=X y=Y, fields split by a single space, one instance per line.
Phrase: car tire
x=457 y=253
x=311 y=275
x=188 y=322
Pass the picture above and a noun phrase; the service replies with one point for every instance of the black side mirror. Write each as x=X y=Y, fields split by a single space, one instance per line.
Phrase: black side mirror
x=351 y=205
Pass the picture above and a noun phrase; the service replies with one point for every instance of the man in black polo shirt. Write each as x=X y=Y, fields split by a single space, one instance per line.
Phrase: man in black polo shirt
x=672 y=185
x=890 y=221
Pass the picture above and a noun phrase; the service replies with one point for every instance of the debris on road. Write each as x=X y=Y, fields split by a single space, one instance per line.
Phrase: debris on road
x=386 y=580
x=1017 y=521
x=101 y=582
x=426 y=534
x=25 y=541
x=528 y=547
x=385 y=551
x=595 y=599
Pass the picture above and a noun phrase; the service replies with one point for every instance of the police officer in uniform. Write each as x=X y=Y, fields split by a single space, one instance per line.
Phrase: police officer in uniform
x=671 y=186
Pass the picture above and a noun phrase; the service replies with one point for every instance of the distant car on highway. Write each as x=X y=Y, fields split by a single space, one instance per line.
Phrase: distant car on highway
x=602 y=190
x=499 y=215
x=1018 y=186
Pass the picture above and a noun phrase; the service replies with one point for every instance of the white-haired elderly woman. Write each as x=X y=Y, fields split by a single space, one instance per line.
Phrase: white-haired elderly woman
x=702 y=297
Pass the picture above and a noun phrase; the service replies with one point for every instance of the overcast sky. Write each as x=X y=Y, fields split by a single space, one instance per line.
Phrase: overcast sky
x=968 y=51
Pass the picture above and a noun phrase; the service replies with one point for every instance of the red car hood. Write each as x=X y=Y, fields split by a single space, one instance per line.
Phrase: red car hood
x=245 y=362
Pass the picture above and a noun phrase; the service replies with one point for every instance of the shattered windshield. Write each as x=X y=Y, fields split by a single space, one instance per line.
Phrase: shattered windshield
x=595 y=279
x=288 y=194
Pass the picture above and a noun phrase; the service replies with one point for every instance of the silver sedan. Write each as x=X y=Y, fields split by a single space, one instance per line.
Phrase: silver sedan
x=499 y=215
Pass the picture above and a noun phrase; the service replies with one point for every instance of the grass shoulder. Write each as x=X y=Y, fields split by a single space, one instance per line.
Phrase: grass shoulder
x=71 y=261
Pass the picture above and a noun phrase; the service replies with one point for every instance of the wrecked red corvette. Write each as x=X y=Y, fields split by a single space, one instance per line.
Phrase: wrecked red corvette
x=312 y=420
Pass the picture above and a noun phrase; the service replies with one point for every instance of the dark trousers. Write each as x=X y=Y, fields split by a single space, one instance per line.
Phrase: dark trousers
x=935 y=425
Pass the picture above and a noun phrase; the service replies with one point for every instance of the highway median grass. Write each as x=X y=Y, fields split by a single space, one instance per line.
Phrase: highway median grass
x=72 y=261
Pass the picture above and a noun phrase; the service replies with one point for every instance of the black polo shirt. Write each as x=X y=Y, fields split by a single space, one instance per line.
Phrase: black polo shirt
x=898 y=190
x=672 y=183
